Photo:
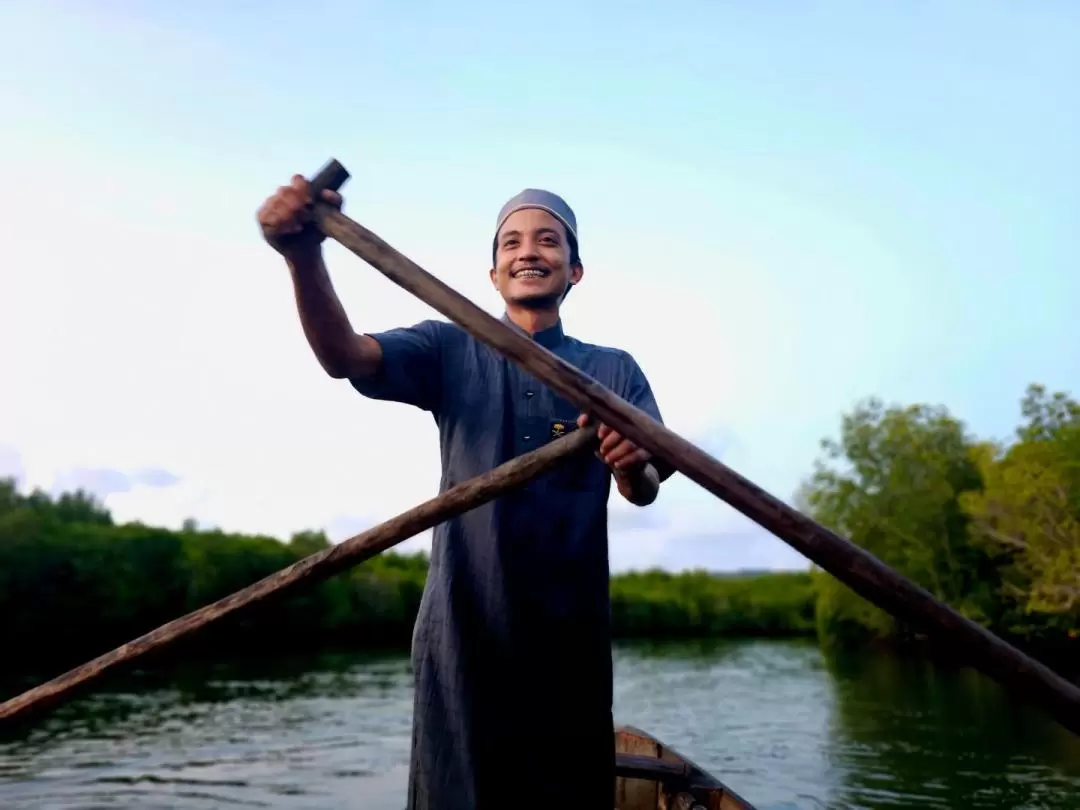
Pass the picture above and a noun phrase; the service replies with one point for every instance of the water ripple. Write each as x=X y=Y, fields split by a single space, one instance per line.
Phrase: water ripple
x=785 y=726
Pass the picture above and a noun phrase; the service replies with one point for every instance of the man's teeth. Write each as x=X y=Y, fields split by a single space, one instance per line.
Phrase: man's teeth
x=529 y=274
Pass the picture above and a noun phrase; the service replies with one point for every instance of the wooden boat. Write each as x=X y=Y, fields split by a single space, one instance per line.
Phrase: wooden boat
x=651 y=776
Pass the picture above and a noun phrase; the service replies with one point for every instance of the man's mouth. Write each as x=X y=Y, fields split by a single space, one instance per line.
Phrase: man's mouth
x=530 y=272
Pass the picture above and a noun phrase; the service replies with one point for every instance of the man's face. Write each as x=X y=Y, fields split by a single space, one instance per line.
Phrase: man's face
x=532 y=259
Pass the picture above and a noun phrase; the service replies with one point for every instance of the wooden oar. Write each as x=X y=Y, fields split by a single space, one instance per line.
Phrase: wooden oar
x=851 y=564
x=320 y=566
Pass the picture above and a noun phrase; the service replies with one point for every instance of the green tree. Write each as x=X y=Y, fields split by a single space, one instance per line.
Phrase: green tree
x=1047 y=416
x=1028 y=515
x=891 y=484
x=70 y=575
x=661 y=604
x=307 y=543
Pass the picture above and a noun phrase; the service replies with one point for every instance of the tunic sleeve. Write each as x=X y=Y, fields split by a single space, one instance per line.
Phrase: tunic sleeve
x=639 y=393
x=411 y=370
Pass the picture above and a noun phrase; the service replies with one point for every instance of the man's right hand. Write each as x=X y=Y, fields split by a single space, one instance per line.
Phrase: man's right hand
x=286 y=221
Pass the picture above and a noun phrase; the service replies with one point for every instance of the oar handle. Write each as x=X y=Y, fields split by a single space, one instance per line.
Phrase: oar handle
x=330 y=177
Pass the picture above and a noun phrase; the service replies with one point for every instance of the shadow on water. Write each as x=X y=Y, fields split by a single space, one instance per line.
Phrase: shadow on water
x=907 y=732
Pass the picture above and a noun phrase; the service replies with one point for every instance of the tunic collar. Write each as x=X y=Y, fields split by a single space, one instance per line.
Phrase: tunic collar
x=548 y=338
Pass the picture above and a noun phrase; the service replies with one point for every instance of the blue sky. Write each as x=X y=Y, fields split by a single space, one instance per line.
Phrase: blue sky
x=782 y=211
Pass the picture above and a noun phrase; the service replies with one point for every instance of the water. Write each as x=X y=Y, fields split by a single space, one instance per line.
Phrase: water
x=785 y=725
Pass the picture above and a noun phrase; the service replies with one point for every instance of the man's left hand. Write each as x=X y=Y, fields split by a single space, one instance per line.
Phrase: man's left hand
x=619 y=453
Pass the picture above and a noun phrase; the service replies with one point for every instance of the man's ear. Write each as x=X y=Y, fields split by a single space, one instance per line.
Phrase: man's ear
x=493 y=276
x=576 y=273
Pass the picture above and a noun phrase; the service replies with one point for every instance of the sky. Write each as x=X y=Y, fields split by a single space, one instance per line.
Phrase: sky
x=783 y=209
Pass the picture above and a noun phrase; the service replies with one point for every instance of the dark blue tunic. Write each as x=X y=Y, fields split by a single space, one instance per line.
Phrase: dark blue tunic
x=511 y=649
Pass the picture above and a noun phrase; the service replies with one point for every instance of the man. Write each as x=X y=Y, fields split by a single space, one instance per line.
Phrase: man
x=511 y=648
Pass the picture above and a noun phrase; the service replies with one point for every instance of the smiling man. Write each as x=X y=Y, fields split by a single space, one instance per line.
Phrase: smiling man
x=511 y=649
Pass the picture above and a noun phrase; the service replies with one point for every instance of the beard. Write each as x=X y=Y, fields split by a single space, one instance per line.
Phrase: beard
x=539 y=300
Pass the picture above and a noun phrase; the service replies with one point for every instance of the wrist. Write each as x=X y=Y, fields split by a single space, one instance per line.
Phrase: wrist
x=640 y=484
x=643 y=470
x=303 y=260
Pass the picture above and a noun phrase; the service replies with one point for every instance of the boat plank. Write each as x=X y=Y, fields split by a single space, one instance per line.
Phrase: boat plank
x=677 y=783
x=636 y=794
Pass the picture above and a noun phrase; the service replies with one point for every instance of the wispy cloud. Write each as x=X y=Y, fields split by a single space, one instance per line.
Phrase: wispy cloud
x=624 y=517
x=11 y=465
x=342 y=527
x=105 y=482
x=750 y=549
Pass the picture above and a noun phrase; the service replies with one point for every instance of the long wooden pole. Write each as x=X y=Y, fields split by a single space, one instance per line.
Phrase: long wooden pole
x=851 y=564
x=310 y=570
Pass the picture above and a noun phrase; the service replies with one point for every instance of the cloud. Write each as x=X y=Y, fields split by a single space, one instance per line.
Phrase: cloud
x=11 y=464
x=342 y=527
x=726 y=546
x=718 y=440
x=751 y=549
x=624 y=517
x=156 y=478
x=104 y=482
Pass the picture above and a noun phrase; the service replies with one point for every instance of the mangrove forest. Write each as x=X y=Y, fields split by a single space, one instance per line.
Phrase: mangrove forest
x=991 y=527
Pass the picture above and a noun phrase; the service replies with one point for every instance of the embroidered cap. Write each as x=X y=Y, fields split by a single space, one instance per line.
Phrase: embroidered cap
x=545 y=200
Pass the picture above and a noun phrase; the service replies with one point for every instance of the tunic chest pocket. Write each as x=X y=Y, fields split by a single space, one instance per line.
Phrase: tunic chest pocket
x=579 y=472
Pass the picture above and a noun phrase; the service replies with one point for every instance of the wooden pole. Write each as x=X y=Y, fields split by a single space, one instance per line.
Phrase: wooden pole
x=851 y=564
x=310 y=570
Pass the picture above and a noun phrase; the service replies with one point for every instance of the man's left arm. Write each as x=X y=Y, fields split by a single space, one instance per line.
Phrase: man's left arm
x=637 y=473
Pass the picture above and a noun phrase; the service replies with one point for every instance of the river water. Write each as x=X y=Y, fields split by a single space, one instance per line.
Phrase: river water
x=782 y=723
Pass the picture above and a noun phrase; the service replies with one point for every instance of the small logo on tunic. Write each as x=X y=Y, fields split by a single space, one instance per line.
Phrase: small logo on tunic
x=560 y=427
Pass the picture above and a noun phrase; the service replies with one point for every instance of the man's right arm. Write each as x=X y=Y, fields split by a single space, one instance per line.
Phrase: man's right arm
x=340 y=350
x=402 y=365
x=399 y=365
x=286 y=225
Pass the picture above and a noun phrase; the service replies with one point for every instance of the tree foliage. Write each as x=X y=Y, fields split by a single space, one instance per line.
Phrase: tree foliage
x=696 y=603
x=1027 y=515
x=74 y=584
x=992 y=530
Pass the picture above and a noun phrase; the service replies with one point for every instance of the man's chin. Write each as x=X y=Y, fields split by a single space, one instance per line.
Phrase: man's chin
x=545 y=299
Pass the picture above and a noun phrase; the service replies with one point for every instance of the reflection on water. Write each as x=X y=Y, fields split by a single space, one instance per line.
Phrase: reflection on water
x=785 y=725
x=907 y=729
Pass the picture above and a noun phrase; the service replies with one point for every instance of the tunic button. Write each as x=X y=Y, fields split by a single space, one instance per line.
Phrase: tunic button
x=526 y=438
x=528 y=394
